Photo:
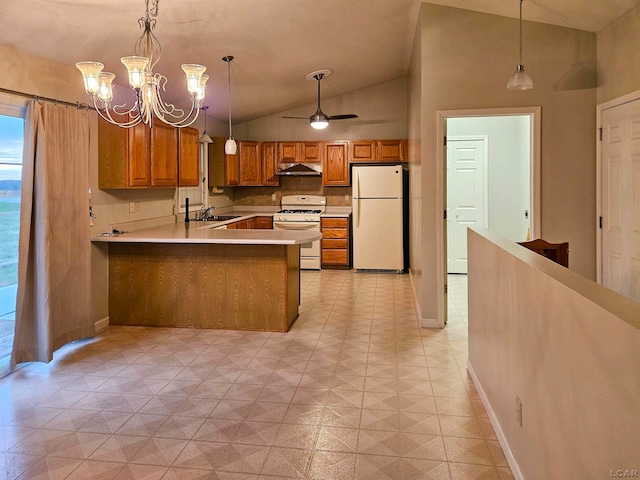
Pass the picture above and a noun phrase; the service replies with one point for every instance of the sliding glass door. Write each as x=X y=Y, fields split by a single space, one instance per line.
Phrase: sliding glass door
x=11 y=143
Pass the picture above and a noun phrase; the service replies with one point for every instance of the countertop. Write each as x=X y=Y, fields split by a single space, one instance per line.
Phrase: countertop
x=206 y=232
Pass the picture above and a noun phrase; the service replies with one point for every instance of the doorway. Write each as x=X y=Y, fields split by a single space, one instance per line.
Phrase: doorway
x=490 y=178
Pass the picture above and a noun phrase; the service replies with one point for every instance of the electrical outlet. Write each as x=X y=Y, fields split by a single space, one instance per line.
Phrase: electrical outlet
x=519 y=411
x=132 y=207
x=347 y=197
x=274 y=197
x=136 y=206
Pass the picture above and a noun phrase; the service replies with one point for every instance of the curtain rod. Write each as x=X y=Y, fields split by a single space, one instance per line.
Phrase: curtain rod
x=46 y=99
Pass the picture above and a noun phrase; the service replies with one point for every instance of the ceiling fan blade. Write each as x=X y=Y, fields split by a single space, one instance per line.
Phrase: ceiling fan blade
x=342 y=117
x=297 y=118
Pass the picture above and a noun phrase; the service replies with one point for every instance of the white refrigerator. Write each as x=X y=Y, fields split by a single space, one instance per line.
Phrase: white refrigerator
x=378 y=224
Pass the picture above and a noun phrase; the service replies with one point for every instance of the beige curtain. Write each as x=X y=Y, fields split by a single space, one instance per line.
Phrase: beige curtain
x=53 y=305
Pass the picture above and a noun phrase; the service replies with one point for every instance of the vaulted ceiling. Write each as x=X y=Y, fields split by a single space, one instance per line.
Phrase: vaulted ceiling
x=274 y=42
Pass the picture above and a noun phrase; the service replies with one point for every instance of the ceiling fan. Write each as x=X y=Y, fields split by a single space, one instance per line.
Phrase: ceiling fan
x=320 y=120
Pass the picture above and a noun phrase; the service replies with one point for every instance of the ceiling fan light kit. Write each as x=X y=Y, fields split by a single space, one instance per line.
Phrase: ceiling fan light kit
x=320 y=120
x=147 y=86
x=520 y=80
x=230 y=146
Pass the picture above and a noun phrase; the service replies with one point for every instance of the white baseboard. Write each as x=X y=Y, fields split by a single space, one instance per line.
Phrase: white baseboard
x=511 y=460
x=102 y=324
x=430 y=323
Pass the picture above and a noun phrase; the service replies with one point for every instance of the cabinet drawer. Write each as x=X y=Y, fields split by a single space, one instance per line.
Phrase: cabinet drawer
x=341 y=222
x=334 y=233
x=334 y=243
x=335 y=257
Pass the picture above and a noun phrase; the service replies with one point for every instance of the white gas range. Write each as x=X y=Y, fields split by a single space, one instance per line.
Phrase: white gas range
x=302 y=212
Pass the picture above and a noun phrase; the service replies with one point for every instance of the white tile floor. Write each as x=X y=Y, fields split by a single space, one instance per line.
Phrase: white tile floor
x=355 y=391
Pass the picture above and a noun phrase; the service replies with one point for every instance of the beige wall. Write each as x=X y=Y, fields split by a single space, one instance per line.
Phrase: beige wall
x=618 y=59
x=568 y=348
x=465 y=61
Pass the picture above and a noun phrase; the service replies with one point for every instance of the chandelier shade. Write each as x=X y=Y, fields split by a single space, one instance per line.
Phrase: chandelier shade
x=147 y=86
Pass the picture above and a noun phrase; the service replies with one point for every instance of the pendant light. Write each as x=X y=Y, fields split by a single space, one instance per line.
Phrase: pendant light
x=205 y=138
x=520 y=80
x=230 y=146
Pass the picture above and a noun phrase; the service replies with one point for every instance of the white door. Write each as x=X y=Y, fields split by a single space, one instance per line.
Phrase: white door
x=466 y=197
x=621 y=199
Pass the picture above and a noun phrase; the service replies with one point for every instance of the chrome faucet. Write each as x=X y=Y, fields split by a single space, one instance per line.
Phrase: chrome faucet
x=205 y=212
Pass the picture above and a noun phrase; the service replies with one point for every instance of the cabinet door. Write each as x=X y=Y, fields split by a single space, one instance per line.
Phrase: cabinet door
x=123 y=156
x=249 y=157
x=288 y=152
x=335 y=167
x=138 y=164
x=264 y=223
x=269 y=163
x=390 y=151
x=362 y=151
x=310 y=152
x=231 y=169
x=188 y=158
x=164 y=155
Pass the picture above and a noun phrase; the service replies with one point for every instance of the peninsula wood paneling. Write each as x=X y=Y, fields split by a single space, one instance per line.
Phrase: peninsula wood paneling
x=245 y=287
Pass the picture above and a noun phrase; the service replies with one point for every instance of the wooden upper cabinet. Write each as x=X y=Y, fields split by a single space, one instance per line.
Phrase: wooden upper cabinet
x=362 y=151
x=310 y=152
x=288 y=152
x=249 y=158
x=299 y=152
x=164 y=155
x=335 y=164
x=377 y=151
x=269 y=163
x=223 y=168
x=123 y=156
x=231 y=169
x=188 y=157
x=390 y=151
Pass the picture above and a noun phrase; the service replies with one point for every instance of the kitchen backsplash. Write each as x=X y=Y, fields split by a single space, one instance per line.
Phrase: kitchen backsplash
x=262 y=196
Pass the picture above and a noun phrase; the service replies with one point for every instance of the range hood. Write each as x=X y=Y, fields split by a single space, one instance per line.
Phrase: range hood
x=300 y=169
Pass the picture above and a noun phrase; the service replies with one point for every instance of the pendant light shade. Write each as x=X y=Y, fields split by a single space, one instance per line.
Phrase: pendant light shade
x=520 y=80
x=205 y=138
x=230 y=146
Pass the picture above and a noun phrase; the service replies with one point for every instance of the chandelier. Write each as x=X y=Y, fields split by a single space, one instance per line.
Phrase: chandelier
x=147 y=86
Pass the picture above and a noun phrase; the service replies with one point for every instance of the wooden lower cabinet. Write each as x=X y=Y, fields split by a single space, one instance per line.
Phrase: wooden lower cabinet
x=258 y=222
x=262 y=223
x=335 y=251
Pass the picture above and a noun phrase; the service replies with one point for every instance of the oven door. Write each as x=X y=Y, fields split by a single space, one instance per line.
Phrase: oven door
x=309 y=252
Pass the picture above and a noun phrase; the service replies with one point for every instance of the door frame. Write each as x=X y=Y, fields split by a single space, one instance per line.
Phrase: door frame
x=616 y=102
x=485 y=176
x=441 y=183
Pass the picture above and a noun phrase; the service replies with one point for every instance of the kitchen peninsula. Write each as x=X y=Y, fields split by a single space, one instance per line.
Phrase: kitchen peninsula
x=189 y=275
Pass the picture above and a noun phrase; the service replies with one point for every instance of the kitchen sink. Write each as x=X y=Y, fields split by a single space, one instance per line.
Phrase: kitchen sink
x=222 y=218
